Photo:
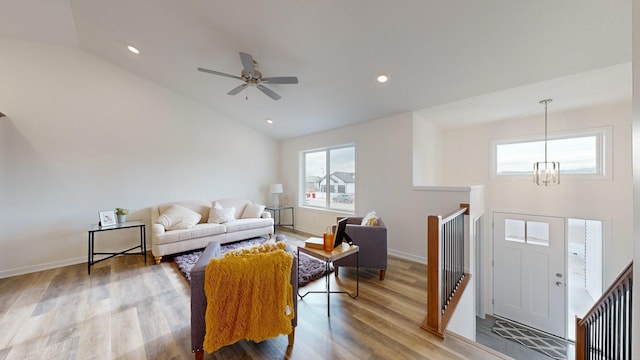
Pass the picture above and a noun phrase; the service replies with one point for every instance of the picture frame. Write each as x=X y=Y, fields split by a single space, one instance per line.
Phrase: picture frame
x=107 y=218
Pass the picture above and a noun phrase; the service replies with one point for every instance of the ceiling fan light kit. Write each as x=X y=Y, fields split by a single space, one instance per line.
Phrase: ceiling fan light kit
x=253 y=77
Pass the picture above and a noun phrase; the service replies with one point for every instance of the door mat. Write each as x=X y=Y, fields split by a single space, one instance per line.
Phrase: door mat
x=538 y=341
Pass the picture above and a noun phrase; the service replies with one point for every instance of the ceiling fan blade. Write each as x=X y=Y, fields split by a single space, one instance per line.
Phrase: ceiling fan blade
x=237 y=89
x=219 y=73
x=281 y=80
x=270 y=93
x=248 y=63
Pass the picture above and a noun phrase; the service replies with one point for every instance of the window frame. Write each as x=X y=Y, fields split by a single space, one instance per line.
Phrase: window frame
x=604 y=154
x=327 y=174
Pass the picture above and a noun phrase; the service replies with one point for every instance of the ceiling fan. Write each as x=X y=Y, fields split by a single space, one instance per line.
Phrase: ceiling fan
x=251 y=76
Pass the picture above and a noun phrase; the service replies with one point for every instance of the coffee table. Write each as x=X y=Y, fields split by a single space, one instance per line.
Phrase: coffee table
x=339 y=252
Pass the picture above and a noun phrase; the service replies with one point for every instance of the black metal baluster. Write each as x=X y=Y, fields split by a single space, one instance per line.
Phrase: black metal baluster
x=460 y=249
x=625 y=322
x=448 y=262
x=616 y=323
x=629 y=291
x=452 y=268
x=600 y=335
x=610 y=309
x=591 y=339
x=444 y=267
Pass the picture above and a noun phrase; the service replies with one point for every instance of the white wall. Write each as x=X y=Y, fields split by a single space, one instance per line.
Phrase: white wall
x=82 y=135
x=427 y=154
x=606 y=200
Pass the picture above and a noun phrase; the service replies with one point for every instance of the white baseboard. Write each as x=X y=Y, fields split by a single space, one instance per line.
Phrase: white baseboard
x=41 y=267
x=408 y=256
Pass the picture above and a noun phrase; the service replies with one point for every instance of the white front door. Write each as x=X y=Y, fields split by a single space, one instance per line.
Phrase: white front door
x=529 y=270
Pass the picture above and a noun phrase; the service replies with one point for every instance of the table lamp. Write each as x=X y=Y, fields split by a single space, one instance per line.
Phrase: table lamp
x=275 y=189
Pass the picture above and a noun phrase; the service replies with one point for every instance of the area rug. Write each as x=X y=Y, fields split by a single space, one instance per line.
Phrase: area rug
x=309 y=269
x=546 y=344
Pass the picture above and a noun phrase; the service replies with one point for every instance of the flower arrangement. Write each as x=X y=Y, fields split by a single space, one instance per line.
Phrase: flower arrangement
x=122 y=211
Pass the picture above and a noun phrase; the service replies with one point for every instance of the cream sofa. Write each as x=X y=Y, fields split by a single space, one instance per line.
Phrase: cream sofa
x=186 y=237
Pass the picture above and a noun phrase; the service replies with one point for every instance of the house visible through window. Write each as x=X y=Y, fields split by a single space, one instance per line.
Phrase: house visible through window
x=330 y=178
x=581 y=153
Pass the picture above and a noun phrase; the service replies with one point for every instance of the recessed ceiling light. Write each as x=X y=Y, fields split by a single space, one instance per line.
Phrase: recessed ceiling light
x=269 y=121
x=382 y=78
x=133 y=49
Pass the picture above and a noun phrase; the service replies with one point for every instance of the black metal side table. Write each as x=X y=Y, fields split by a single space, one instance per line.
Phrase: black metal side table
x=339 y=252
x=278 y=210
x=126 y=225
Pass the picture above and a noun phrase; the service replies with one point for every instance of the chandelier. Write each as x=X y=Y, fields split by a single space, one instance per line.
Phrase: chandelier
x=544 y=172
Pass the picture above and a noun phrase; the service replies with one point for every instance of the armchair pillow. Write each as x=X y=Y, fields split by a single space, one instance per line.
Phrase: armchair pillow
x=371 y=219
x=178 y=217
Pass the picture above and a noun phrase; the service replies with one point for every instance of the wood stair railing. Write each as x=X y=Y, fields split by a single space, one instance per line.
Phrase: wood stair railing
x=446 y=279
x=605 y=331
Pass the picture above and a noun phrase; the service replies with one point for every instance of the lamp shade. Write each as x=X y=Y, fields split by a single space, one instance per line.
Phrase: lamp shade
x=276 y=189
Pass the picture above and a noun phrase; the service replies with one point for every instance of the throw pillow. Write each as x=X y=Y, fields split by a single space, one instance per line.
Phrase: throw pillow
x=252 y=210
x=178 y=217
x=221 y=216
x=370 y=219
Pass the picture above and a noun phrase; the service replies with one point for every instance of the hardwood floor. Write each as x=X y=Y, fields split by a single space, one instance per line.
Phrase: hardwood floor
x=128 y=310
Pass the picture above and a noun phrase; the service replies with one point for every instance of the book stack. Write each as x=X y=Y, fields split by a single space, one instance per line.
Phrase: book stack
x=314 y=243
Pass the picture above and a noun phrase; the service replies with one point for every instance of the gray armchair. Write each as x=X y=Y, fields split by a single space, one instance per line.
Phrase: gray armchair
x=372 y=241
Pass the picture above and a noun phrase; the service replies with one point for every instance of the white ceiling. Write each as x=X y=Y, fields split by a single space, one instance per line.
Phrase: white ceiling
x=443 y=57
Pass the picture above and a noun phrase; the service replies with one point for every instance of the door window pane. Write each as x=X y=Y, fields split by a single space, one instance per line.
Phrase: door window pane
x=537 y=233
x=514 y=230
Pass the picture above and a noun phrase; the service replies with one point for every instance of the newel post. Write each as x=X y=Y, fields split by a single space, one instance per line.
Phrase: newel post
x=432 y=321
x=580 y=339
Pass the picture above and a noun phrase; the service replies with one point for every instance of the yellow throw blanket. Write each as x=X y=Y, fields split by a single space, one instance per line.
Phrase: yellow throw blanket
x=249 y=295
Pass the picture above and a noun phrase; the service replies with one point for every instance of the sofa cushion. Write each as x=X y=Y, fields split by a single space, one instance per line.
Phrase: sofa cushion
x=252 y=210
x=221 y=215
x=248 y=224
x=239 y=204
x=201 y=207
x=199 y=230
x=177 y=217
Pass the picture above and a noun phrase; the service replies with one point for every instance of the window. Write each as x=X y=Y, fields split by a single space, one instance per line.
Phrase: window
x=330 y=178
x=585 y=153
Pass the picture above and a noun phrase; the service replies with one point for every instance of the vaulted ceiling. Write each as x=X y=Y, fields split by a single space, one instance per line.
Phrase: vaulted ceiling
x=438 y=54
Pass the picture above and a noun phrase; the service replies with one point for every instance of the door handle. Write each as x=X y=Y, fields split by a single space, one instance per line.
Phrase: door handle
x=559 y=283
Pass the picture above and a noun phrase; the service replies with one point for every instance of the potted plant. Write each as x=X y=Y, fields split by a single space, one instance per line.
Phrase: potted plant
x=122 y=213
